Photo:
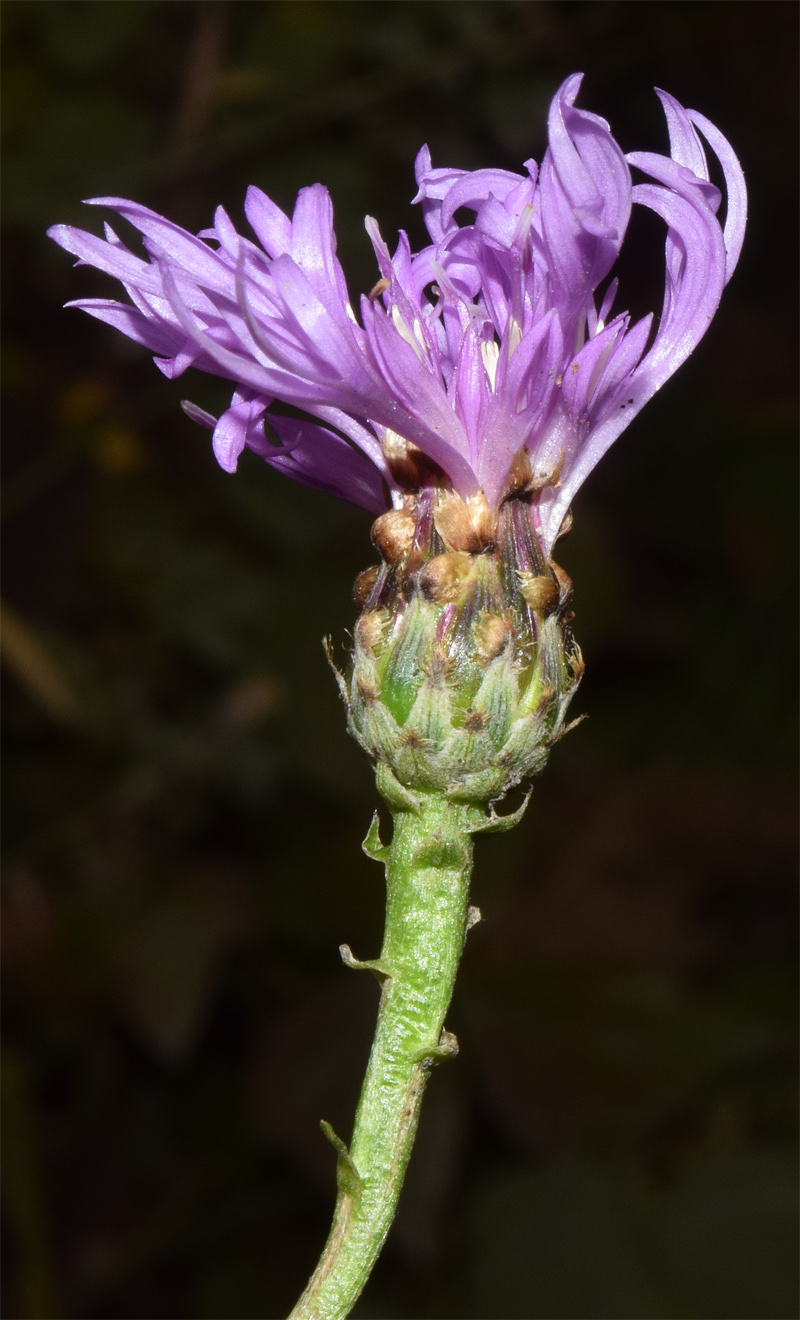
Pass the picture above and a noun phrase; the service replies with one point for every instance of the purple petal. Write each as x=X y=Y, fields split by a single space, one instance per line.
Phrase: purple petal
x=585 y=191
x=433 y=187
x=361 y=436
x=476 y=188
x=317 y=457
x=693 y=290
x=314 y=249
x=583 y=373
x=232 y=364
x=692 y=294
x=191 y=254
x=114 y=260
x=676 y=176
x=187 y=356
x=235 y=427
x=143 y=330
x=736 y=188
x=470 y=392
x=685 y=146
x=271 y=227
x=424 y=415
x=525 y=391
x=329 y=350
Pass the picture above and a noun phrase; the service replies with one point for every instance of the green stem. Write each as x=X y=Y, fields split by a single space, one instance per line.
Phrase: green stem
x=428 y=866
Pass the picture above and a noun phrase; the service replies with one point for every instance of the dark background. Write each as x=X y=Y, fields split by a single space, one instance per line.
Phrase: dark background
x=184 y=809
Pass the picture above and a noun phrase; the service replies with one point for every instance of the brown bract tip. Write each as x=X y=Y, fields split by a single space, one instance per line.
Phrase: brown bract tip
x=415 y=740
x=566 y=525
x=409 y=466
x=538 y=591
x=444 y=577
x=469 y=525
x=519 y=474
x=564 y=581
x=438 y=668
x=522 y=480
x=484 y=518
x=453 y=523
x=368 y=693
x=492 y=634
x=393 y=533
x=370 y=628
x=576 y=662
x=364 y=585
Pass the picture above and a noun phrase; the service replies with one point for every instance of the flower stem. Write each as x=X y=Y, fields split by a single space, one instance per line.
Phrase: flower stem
x=428 y=866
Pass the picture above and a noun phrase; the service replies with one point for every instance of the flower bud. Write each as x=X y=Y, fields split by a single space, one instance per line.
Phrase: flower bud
x=463 y=664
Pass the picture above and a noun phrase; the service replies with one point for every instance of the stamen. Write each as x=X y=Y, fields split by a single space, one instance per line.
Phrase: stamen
x=490 y=352
x=404 y=332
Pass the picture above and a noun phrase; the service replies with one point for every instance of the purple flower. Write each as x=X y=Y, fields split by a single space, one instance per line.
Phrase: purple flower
x=492 y=340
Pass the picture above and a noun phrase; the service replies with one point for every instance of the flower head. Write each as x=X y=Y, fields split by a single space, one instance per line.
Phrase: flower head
x=489 y=359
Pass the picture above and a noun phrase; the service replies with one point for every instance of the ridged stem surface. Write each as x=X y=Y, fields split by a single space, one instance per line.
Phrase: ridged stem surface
x=428 y=866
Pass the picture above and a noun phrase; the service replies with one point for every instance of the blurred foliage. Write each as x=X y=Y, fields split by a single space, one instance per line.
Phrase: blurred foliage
x=184 y=811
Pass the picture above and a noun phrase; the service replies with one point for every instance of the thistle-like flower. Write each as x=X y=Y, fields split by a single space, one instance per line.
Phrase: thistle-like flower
x=487 y=342
x=487 y=376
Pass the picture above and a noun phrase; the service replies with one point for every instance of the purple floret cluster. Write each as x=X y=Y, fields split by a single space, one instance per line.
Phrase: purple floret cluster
x=492 y=340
